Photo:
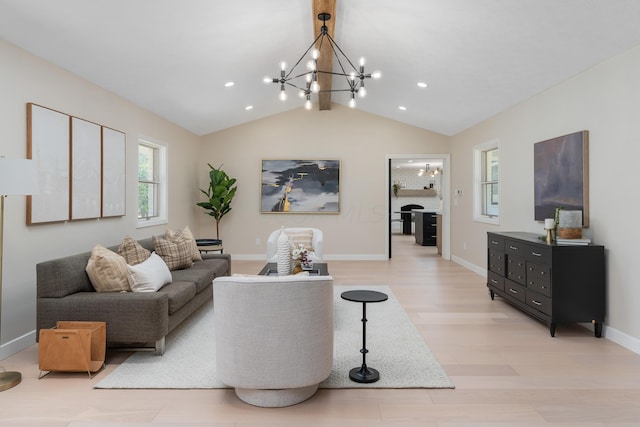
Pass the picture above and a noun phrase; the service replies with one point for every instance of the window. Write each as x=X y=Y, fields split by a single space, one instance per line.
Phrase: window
x=486 y=173
x=152 y=184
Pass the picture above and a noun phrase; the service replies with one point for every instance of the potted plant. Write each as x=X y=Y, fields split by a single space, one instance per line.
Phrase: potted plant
x=395 y=187
x=221 y=191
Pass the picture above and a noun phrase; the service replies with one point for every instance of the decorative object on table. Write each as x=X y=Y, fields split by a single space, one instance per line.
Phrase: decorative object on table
x=561 y=175
x=284 y=254
x=311 y=238
x=317 y=77
x=300 y=259
x=221 y=191
x=300 y=186
x=549 y=225
x=569 y=224
x=17 y=177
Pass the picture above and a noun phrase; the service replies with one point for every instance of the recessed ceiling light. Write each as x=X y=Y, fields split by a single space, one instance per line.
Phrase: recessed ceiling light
x=229 y=84
x=248 y=107
x=422 y=84
x=402 y=107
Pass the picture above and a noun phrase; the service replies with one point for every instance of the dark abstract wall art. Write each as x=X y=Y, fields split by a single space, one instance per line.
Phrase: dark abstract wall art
x=300 y=186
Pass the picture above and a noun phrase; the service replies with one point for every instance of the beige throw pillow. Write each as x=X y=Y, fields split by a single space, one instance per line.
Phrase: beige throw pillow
x=132 y=251
x=187 y=235
x=175 y=254
x=107 y=271
x=301 y=237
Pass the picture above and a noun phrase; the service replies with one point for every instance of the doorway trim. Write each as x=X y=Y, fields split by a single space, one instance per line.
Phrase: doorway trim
x=446 y=191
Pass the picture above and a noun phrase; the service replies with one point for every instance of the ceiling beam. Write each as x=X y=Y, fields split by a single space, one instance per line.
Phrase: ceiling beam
x=325 y=61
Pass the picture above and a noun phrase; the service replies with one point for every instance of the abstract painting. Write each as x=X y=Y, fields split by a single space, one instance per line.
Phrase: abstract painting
x=561 y=175
x=300 y=186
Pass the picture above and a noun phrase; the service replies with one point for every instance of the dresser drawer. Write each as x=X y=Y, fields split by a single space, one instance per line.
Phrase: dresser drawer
x=539 y=302
x=515 y=290
x=495 y=280
x=496 y=242
x=539 y=278
x=497 y=261
x=541 y=253
x=516 y=269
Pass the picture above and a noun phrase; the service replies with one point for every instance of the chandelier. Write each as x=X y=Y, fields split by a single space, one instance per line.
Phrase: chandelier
x=306 y=82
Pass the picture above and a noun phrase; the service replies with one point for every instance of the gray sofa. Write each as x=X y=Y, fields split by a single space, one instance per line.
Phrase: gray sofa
x=134 y=319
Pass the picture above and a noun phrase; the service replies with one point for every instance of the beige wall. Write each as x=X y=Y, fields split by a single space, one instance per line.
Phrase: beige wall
x=359 y=140
x=606 y=101
x=25 y=78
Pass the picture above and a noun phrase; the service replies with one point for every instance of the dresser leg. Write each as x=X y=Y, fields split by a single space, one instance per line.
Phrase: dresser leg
x=552 y=329
x=597 y=329
x=492 y=294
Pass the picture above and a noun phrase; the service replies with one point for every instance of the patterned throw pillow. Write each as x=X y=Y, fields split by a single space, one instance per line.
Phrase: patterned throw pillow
x=132 y=251
x=301 y=237
x=107 y=271
x=187 y=235
x=175 y=254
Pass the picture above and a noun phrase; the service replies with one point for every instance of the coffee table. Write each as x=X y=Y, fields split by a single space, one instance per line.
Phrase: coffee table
x=319 y=269
x=364 y=374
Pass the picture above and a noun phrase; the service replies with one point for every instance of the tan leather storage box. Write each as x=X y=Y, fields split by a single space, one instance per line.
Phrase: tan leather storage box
x=72 y=347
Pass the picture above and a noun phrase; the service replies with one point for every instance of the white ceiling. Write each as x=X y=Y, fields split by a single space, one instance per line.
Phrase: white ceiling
x=173 y=57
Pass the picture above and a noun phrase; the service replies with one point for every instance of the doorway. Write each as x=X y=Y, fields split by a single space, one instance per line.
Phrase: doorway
x=416 y=171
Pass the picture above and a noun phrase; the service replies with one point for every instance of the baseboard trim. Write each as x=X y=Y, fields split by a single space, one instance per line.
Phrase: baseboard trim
x=17 y=345
x=469 y=266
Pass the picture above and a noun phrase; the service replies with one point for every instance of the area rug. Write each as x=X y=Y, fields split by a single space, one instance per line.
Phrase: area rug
x=396 y=350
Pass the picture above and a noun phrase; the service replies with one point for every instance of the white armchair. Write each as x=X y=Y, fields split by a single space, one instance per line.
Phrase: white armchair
x=316 y=242
x=274 y=336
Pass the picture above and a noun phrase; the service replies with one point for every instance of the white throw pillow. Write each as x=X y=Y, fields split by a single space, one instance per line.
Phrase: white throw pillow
x=149 y=275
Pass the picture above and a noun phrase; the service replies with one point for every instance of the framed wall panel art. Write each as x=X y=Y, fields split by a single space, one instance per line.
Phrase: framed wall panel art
x=561 y=175
x=113 y=172
x=86 y=183
x=81 y=167
x=48 y=144
x=300 y=186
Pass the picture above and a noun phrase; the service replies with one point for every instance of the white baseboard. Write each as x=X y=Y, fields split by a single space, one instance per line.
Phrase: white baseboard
x=466 y=264
x=17 y=345
x=620 y=338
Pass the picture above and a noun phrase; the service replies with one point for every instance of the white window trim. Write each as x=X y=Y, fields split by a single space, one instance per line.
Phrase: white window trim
x=477 y=180
x=163 y=214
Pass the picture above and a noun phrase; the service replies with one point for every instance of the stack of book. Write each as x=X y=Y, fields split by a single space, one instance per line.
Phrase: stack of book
x=581 y=241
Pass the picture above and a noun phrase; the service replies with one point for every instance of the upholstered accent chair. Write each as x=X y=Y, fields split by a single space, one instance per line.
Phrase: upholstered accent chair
x=297 y=235
x=274 y=336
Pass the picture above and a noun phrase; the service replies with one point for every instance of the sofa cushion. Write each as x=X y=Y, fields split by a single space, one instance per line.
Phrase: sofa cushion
x=132 y=251
x=107 y=271
x=301 y=237
x=176 y=254
x=202 y=273
x=179 y=293
x=187 y=235
x=149 y=275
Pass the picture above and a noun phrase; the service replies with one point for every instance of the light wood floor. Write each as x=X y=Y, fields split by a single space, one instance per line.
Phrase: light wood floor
x=506 y=368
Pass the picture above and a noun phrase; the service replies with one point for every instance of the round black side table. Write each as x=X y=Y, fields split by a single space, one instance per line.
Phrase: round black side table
x=364 y=374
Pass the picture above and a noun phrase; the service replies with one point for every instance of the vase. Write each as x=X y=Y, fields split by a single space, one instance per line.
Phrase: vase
x=284 y=254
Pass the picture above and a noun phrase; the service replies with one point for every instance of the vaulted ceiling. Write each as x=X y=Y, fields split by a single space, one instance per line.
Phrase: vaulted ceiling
x=173 y=57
